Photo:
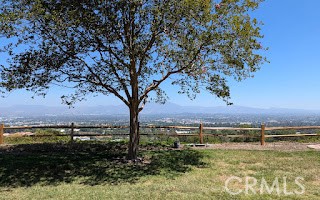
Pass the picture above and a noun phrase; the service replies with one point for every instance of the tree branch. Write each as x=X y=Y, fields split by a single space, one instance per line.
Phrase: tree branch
x=156 y=83
x=123 y=84
x=107 y=87
x=148 y=47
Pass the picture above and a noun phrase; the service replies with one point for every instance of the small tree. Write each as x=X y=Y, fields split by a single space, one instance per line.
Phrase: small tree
x=128 y=48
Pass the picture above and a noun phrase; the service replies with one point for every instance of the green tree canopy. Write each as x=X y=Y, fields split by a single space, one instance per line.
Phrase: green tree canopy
x=128 y=48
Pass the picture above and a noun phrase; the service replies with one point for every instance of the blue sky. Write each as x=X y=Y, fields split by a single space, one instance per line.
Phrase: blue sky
x=290 y=80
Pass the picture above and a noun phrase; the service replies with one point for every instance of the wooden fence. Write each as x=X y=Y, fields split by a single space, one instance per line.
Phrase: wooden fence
x=262 y=136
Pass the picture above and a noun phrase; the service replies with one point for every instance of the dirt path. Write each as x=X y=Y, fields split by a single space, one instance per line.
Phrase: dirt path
x=278 y=146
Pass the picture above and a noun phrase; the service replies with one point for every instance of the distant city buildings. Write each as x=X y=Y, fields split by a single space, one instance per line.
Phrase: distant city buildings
x=226 y=120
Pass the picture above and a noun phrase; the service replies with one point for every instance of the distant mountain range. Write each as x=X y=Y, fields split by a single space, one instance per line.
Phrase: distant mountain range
x=168 y=108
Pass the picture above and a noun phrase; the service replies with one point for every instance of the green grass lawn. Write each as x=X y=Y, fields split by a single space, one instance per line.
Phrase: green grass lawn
x=99 y=171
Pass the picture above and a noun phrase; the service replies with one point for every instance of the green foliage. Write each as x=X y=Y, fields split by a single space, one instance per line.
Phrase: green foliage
x=48 y=132
x=163 y=141
x=302 y=139
x=33 y=140
x=40 y=136
x=128 y=48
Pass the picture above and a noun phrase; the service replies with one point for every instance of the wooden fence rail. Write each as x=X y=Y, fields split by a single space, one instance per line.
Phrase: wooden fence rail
x=200 y=129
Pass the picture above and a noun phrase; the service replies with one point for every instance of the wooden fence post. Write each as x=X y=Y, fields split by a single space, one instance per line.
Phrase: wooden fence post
x=201 y=133
x=72 y=132
x=262 y=139
x=1 y=133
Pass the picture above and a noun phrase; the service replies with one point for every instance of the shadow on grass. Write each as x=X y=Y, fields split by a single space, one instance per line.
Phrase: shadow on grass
x=90 y=164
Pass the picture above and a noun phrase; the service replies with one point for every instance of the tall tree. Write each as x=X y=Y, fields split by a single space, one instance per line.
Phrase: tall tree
x=128 y=48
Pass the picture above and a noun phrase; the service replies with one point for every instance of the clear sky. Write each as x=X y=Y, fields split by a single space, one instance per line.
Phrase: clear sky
x=291 y=80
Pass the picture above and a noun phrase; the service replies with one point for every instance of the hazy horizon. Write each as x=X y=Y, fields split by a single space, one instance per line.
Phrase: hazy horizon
x=147 y=105
x=291 y=31
x=151 y=109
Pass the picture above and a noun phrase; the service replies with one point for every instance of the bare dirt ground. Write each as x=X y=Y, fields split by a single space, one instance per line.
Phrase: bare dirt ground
x=278 y=146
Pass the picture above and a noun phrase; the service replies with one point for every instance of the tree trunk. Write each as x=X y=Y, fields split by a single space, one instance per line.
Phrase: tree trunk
x=134 y=109
x=134 y=133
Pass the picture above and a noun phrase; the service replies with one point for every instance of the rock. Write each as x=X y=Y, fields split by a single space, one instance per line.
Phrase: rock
x=314 y=146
